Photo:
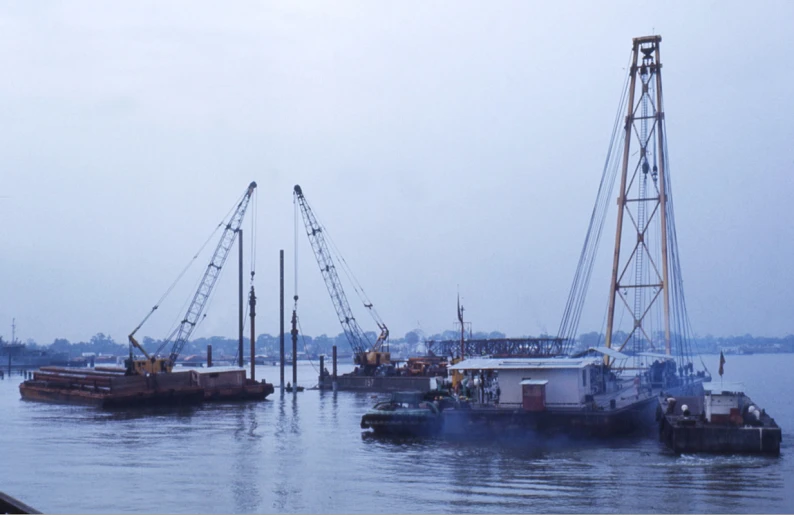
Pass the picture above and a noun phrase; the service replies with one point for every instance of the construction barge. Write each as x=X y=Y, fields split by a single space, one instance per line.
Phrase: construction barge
x=580 y=396
x=722 y=421
x=112 y=387
x=528 y=397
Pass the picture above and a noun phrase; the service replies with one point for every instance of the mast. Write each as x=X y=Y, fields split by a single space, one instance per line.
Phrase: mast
x=462 y=329
x=663 y=199
x=638 y=281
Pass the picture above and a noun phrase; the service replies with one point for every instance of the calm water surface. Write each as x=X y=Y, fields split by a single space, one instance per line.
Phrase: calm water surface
x=305 y=452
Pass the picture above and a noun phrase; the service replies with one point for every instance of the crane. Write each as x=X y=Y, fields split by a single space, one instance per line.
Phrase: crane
x=154 y=363
x=369 y=357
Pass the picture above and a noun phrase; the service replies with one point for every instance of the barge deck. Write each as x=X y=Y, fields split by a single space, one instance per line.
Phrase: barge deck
x=109 y=387
x=723 y=421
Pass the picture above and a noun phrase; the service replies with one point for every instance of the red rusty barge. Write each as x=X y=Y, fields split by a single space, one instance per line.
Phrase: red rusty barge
x=108 y=387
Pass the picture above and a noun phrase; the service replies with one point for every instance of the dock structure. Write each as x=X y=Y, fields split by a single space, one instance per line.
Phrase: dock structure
x=10 y=505
x=546 y=347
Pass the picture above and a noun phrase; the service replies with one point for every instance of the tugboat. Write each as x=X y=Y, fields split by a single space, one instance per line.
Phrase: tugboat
x=722 y=420
x=405 y=413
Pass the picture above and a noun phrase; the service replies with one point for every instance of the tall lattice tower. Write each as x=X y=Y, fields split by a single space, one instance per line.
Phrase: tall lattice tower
x=646 y=309
x=640 y=272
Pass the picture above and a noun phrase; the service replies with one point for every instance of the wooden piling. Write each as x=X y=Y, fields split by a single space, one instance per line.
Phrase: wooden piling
x=252 y=303
x=281 y=318
x=322 y=371
x=295 y=347
x=333 y=383
x=240 y=288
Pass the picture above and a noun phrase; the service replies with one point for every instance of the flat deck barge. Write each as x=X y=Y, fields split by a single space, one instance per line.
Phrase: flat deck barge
x=378 y=384
x=109 y=387
x=723 y=420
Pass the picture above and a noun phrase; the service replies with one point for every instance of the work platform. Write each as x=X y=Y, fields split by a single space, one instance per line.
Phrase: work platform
x=109 y=387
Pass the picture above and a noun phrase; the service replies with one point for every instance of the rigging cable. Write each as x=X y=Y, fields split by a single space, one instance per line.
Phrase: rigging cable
x=177 y=321
x=353 y=281
x=572 y=314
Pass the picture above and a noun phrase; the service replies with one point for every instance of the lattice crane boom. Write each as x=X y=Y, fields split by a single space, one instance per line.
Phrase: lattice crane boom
x=358 y=340
x=153 y=364
x=211 y=274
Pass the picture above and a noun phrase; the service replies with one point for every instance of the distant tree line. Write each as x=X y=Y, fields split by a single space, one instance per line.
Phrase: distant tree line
x=412 y=343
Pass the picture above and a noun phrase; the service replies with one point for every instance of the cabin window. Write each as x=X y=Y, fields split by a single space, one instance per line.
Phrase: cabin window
x=584 y=377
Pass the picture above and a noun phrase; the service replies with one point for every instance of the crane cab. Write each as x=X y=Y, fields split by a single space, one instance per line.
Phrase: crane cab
x=148 y=366
x=372 y=359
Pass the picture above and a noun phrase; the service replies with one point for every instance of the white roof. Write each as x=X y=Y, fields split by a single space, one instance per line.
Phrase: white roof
x=656 y=355
x=523 y=363
x=612 y=353
x=535 y=382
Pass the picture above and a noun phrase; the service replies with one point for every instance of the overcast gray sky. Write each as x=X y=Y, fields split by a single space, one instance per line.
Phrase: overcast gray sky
x=441 y=143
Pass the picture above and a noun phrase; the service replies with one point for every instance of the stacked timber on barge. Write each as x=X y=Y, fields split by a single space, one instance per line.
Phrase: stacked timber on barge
x=722 y=420
x=111 y=387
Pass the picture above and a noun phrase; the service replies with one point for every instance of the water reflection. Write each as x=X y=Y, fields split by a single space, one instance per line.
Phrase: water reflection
x=307 y=453
x=245 y=469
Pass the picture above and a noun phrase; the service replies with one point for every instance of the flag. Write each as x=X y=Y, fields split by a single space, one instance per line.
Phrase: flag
x=460 y=311
x=722 y=362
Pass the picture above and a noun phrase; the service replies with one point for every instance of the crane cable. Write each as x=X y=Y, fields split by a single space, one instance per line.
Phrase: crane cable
x=177 y=320
x=254 y=208
x=578 y=292
x=351 y=277
x=295 y=252
x=252 y=269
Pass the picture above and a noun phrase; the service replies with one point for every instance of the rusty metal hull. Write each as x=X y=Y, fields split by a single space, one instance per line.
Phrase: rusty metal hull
x=39 y=391
x=111 y=388
x=232 y=385
x=694 y=434
x=252 y=391
x=706 y=438
x=377 y=384
x=637 y=416
x=496 y=421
